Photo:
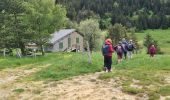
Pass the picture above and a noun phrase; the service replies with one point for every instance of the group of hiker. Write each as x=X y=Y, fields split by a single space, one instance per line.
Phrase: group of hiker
x=124 y=49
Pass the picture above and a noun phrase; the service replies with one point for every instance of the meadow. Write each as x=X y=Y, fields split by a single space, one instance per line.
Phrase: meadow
x=162 y=36
x=138 y=76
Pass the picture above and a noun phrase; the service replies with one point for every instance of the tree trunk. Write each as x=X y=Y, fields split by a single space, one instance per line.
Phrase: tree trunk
x=42 y=50
x=4 y=53
x=89 y=53
x=18 y=53
x=22 y=47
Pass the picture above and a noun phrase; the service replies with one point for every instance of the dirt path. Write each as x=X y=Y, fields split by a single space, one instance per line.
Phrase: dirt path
x=10 y=77
x=87 y=87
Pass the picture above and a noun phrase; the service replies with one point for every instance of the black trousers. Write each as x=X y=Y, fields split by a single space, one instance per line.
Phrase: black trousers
x=125 y=54
x=108 y=62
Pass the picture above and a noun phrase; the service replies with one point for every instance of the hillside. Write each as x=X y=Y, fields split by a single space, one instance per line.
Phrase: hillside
x=143 y=14
x=162 y=36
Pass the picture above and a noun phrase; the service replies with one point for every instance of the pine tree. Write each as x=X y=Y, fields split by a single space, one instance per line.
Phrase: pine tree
x=149 y=41
x=117 y=32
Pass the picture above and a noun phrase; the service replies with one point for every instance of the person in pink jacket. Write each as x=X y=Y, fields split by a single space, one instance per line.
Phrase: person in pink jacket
x=108 y=55
x=152 y=50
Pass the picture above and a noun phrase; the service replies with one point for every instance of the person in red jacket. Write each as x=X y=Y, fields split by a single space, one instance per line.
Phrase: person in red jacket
x=108 y=55
x=152 y=50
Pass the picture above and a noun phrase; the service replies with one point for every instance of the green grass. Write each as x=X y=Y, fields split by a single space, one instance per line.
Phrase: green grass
x=162 y=36
x=132 y=90
x=62 y=65
x=13 y=62
x=18 y=90
x=165 y=91
x=149 y=72
x=67 y=65
x=154 y=96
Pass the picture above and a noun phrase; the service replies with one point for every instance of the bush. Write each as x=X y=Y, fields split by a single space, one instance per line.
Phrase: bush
x=149 y=41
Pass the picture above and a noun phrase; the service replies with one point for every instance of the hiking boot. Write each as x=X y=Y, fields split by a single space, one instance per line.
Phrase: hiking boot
x=104 y=69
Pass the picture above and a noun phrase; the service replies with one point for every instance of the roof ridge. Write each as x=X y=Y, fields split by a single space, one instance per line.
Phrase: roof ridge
x=60 y=34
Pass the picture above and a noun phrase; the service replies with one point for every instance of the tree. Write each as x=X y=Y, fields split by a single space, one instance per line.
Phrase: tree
x=106 y=21
x=164 y=20
x=13 y=26
x=148 y=41
x=91 y=31
x=117 y=32
x=45 y=17
x=26 y=21
x=5 y=35
x=121 y=11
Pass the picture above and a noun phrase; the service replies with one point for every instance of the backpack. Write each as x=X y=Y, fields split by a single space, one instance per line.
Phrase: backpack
x=130 y=47
x=119 y=49
x=105 y=49
x=124 y=46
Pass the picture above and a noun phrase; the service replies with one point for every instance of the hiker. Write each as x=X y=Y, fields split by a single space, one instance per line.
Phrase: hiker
x=119 y=50
x=152 y=50
x=131 y=47
x=107 y=51
x=124 y=45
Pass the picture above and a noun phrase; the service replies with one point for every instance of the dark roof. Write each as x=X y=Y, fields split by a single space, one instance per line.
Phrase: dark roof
x=60 y=34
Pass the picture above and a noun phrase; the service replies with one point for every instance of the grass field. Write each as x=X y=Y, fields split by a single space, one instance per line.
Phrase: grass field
x=62 y=65
x=140 y=75
x=143 y=74
x=162 y=36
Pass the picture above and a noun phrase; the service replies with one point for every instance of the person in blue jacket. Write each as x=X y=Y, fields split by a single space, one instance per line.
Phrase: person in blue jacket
x=125 y=47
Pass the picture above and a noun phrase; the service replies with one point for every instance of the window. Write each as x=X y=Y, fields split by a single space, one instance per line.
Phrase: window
x=69 y=42
x=61 y=45
x=77 y=40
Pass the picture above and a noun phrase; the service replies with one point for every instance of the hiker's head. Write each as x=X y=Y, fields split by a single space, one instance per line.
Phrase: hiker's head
x=123 y=39
x=108 y=40
x=130 y=40
x=120 y=42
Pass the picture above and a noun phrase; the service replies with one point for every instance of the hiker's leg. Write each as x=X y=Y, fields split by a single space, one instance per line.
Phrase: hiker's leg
x=120 y=57
x=125 y=54
x=151 y=55
x=130 y=54
x=105 y=63
x=109 y=63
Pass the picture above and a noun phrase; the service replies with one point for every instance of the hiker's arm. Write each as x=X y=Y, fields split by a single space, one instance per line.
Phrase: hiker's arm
x=111 y=48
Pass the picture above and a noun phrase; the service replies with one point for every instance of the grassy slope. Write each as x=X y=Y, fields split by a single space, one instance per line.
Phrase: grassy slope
x=162 y=36
x=62 y=65
x=69 y=64
x=149 y=72
x=142 y=68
